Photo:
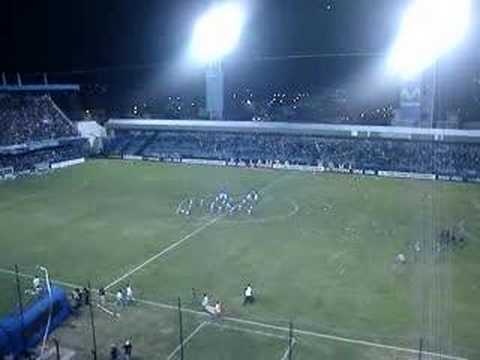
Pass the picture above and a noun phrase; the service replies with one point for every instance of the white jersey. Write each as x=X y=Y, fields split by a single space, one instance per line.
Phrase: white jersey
x=249 y=291
x=205 y=301
x=129 y=292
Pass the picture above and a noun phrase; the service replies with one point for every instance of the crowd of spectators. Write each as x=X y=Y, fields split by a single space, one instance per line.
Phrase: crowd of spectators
x=26 y=118
x=35 y=133
x=328 y=106
x=281 y=105
x=376 y=154
x=34 y=158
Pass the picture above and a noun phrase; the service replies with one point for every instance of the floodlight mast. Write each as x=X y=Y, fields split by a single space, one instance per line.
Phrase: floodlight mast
x=214 y=84
x=216 y=34
x=430 y=29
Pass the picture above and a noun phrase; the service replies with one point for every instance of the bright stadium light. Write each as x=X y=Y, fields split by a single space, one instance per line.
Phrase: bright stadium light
x=430 y=28
x=217 y=33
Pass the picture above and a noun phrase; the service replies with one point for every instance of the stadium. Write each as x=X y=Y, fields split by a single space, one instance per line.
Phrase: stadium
x=143 y=237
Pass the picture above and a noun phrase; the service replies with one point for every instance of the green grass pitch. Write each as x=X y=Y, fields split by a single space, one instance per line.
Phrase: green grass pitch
x=319 y=250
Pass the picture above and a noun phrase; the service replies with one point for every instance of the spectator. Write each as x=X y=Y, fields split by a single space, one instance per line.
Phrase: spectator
x=129 y=294
x=364 y=154
x=114 y=352
x=86 y=296
x=27 y=118
x=34 y=133
x=101 y=294
x=249 y=297
x=127 y=349
x=120 y=298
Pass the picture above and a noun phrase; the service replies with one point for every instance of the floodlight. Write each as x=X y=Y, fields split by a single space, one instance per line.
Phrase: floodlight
x=430 y=28
x=217 y=33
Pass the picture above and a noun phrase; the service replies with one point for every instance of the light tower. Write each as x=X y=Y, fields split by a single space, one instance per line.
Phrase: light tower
x=216 y=34
x=430 y=29
x=214 y=84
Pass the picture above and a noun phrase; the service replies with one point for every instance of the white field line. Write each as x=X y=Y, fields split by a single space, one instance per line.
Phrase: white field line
x=163 y=252
x=249 y=331
x=273 y=327
x=105 y=310
x=187 y=339
x=310 y=333
x=286 y=353
x=179 y=242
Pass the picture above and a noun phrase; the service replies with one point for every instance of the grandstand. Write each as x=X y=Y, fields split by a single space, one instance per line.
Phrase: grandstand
x=437 y=153
x=35 y=134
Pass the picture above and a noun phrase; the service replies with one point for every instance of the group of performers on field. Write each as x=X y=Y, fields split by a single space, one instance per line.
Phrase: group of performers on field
x=124 y=297
x=216 y=309
x=450 y=239
x=221 y=203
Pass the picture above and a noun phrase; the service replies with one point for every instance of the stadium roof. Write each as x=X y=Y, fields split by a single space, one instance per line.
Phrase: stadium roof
x=294 y=128
x=39 y=88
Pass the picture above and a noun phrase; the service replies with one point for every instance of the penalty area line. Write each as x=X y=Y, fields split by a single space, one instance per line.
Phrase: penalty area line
x=269 y=326
x=310 y=333
x=187 y=339
x=163 y=252
x=249 y=331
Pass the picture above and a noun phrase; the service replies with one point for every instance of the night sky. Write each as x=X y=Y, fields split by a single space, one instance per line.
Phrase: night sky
x=59 y=35
x=134 y=45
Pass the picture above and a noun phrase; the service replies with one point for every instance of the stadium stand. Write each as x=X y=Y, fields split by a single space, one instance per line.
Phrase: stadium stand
x=25 y=119
x=34 y=131
x=440 y=154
